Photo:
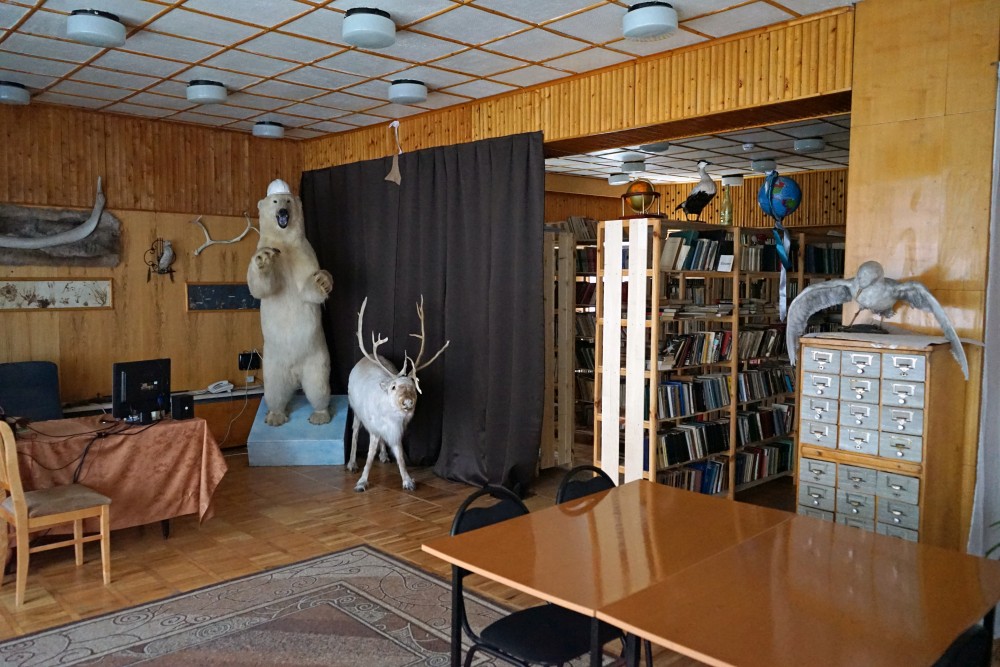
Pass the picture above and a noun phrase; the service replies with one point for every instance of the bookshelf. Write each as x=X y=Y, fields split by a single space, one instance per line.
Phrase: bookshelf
x=691 y=385
x=559 y=265
x=584 y=231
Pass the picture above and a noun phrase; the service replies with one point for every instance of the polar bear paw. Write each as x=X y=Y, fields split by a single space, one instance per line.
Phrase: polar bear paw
x=274 y=418
x=264 y=259
x=324 y=281
x=320 y=417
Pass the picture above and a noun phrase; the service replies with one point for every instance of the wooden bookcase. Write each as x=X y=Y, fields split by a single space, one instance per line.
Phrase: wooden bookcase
x=689 y=421
x=559 y=306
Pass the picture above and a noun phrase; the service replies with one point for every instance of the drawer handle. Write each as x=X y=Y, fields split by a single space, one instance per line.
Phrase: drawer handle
x=896 y=513
x=816 y=495
x=857 y=480
x=895 y=487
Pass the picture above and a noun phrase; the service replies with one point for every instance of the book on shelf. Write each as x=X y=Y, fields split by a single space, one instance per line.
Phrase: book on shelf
x=668 y=256
x=725 y=263
x=583 y=228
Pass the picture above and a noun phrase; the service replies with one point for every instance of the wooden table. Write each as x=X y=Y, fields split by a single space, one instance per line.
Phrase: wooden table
x=590 y=553
x=151 y=473
x=734 y=584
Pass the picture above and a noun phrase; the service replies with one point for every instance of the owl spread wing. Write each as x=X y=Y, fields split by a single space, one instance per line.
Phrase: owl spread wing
x=811 y=300
x=918 y=296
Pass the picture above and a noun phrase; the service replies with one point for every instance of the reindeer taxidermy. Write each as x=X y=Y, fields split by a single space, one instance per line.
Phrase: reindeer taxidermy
x=872 y=291
x=383 y=400
x=210 y=241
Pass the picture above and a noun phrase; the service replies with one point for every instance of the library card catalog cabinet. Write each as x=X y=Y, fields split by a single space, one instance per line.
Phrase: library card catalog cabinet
x=879 y=439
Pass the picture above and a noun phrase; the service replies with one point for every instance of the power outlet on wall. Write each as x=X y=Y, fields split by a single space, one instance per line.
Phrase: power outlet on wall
x=249 y=361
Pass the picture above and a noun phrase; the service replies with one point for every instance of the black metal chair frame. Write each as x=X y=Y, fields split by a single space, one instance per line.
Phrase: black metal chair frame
x=565 y=491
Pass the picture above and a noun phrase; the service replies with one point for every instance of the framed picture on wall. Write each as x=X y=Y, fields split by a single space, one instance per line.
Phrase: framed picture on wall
x=55 y=293
x=211 y=297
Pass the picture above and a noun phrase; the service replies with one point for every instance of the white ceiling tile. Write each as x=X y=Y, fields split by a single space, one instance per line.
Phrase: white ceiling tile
x=70 y=100
x=347 y=102
x=675 y=41
x=738 y=19
x=303 y=133
x=138 y=110
x=164 y=101
x=470 y=25
x=231 y=80
x=479 y=89
x=395 y=111
x=130 y=62
x=362 y=119
x=313 y=111
x=88 y=90
x=11 y=14
x=603 y=24
x=282 y=90
x=403 y=12
x=229 y=111
x=687 y=9
x=365 y=64
x=183 y=23
x=323 y=24
x=289 y=48
x=420 y=48
x=536 y=11
x=157 y=44
x=713 y=143
x=174 y=88
x=44 y=47
x=433 y=77
x=536 y=45
x=591 y=59
x=34 y=65
x=529 y=76
x=321 y=78
x=256 y=101
x=805 y=7
x=375 y=88
x=250 y=63
x=479 y=63
x=438 y=100
x=286 y=120
x=131 y=12
x=200 y=118
x=330 y=126
x=755 y=136
x=267 y=13
x=111 y=78
x=31 y=81
x=46 y=24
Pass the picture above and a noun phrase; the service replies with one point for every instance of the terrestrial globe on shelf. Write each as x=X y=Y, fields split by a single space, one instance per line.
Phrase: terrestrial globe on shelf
x=641 y=197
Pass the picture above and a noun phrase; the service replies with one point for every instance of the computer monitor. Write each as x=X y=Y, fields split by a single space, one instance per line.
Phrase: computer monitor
x=140 y=390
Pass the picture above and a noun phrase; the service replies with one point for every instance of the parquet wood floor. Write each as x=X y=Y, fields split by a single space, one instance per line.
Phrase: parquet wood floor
x=264 y=517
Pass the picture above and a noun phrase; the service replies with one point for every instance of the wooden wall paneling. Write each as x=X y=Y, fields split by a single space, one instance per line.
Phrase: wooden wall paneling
x=267 y=160
x=354 y=146
x=561 y=205
x=589 y=104
x=505 y=115
x=131 y=146
x=972 y=35
x=444 y=127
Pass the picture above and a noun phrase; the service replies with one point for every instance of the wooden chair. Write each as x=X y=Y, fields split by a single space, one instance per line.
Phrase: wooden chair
x=35 y=510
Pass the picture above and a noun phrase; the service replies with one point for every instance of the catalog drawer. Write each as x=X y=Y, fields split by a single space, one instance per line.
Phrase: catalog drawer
x=817 y=433
x=903 y=393
x=902 y=420
x=901 y=447
x=904 y=366
x=820 y=409
x=860 y=440
x=897 y=513
x=860 y=364
x=815 y=513
x=817 y=496
x=819 y=359
x=894 y=486
x=856 y=522
x=822 y=385
x=896 y=531
x=860 y=505
x=814 y=470
x=856 y=478
x=859 y=415
x=862 y=389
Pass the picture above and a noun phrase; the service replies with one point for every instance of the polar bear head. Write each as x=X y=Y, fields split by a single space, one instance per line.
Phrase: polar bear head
x=280 y=213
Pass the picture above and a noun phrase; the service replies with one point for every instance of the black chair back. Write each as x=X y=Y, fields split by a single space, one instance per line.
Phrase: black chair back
x=30 y=389
x=582 y=481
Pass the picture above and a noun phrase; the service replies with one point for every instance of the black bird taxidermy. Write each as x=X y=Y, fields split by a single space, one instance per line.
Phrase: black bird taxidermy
x=872 y=291
x=703 y=193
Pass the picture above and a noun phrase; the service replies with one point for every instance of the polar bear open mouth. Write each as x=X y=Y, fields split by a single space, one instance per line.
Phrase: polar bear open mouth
x=282 y=217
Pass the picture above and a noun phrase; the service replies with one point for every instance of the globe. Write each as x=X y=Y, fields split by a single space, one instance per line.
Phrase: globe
x=640 y=195
x=785 y=196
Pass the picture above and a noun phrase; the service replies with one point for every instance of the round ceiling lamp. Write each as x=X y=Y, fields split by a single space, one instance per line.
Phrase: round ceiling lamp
x=633 y=162
x=657 y=147
x=649 y=21
x=618 y=178
x=809 y=145
x=12 y=92
x=268 y=129
x=204 y=91
x=94 y=27
x=732 y=179
x=368 y=28
x=763 y=165
x=407 y=91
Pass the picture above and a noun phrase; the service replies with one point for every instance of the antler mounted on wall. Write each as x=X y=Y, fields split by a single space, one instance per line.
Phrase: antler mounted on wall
x=210 y=241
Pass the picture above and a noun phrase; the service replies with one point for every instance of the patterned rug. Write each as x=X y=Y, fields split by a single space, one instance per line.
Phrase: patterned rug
x=355 y=607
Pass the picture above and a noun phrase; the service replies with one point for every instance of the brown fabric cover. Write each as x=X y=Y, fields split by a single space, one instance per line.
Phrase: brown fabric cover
x=150 y=473
x=59 y=499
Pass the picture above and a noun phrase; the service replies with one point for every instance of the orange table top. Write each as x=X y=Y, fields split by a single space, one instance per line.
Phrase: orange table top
x=591 y=552
x=809 y=592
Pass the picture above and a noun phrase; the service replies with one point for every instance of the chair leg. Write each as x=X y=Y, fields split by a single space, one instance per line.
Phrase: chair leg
x=22 y=567
x=647 y=646
x=106 y=544
x=5 y=549
x=78 y=541
x=468 y=656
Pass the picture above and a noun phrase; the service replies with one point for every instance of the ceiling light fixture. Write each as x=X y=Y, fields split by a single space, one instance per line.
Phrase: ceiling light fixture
x=407 y=91
x=94 y=27
x=618 y=179
x=368 y=28
x=763 y=165
x=657 y=147
x=809 y=145
x=12 y=92
x=648 y=21
x=732 y=179
x=204 y=91
x=633 y=162
x=268 y=129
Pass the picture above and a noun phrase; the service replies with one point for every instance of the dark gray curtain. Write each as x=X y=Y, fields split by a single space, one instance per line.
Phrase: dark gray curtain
x=463 y=229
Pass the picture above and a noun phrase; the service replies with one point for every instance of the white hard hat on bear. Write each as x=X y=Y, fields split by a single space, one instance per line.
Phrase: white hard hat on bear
x=278 y=187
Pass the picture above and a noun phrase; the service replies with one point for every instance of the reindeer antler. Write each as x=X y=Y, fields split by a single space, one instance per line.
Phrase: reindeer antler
x=376 y=341
x=415 y=364
x=210 y=241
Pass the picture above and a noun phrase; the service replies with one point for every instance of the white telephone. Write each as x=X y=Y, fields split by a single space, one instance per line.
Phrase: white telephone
x=220 y=387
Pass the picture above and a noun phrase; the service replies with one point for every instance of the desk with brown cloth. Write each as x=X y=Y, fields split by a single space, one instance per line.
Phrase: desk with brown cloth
x=151 y=472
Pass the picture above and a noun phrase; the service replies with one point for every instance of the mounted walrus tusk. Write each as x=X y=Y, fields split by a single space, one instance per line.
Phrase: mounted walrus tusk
x=209 y=241
x=70 y=236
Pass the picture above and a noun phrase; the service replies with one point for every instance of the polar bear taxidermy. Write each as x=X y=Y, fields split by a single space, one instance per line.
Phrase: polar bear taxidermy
x=285 y=275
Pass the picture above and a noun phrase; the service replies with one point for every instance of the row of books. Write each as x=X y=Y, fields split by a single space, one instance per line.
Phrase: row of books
x=762 y=461
x=585 y=293
x=584 y=229
x=755 y=384
x=823 y=258
x=584 y=386
x=694 y=251
x=586 y=325
x=689 y=396
x=759 y=258
x=586 y=260
x=691 y=441
x=585 y=357
x=757 y=343
x=710 y=476
x=764 y=423
x=702 y=347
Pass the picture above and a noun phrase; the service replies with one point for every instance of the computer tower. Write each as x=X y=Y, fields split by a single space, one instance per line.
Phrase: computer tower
x=182 y=406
